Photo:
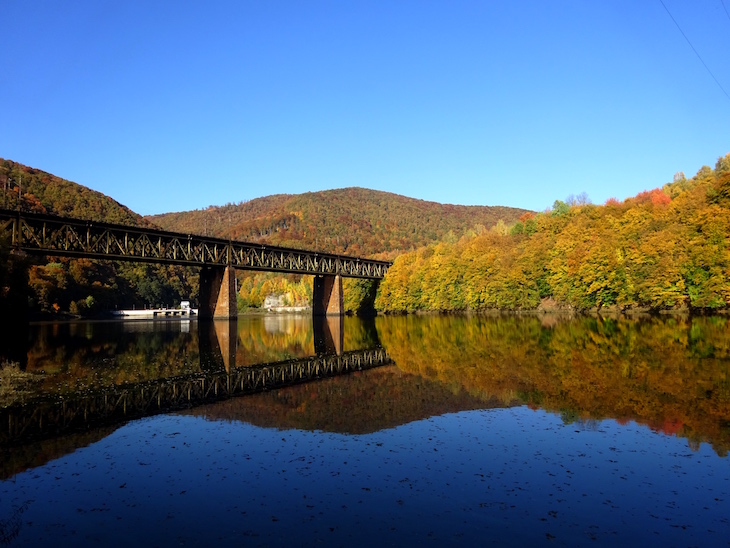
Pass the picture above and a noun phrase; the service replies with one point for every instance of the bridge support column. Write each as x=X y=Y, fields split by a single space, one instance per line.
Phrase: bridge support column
x=327 y=296
x=217 y=293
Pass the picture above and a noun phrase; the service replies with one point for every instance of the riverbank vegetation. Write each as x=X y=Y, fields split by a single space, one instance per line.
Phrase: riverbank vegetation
x=664 y=249
x=15 y=384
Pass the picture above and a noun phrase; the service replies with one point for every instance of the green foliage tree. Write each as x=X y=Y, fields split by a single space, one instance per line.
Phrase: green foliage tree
x=560 y=208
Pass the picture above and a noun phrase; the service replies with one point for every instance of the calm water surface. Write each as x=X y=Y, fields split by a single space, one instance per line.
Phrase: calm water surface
x=481 y=430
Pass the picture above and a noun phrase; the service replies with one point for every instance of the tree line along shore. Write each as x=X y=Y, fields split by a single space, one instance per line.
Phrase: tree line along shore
x=663 y=250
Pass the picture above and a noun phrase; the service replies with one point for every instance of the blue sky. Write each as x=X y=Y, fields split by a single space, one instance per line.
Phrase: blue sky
x=177 y=105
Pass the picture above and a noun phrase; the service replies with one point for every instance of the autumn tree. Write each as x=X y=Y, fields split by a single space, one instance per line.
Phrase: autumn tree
x=665 y=248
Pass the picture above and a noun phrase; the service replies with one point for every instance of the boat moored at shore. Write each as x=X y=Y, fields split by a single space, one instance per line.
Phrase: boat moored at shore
x=185 y=311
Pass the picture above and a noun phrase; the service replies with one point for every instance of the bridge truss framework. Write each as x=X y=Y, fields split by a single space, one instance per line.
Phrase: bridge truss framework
x=52 y=235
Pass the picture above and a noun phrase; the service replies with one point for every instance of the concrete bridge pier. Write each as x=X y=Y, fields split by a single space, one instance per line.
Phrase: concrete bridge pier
x=327 y=296
x=217 y=293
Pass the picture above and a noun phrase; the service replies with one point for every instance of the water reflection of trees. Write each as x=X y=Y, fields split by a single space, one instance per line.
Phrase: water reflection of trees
x=670 y=374
x=74 y=356
x=82 y=355
x=264 y=339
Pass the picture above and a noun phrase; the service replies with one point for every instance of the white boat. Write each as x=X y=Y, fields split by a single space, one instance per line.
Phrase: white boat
x=185 y=311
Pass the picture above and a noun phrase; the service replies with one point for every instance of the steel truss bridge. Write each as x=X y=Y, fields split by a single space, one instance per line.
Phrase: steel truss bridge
x=55 y=415
x=52 y=235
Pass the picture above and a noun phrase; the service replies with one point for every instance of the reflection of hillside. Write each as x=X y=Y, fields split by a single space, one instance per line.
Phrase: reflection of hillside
x=14 y=460
x=353 y=404
x=670 y=374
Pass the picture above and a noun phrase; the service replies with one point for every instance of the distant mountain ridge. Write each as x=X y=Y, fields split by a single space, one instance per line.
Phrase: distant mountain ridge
x=353 y=221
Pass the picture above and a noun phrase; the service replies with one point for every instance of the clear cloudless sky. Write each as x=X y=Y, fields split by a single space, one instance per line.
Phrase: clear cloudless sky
x=179 y=104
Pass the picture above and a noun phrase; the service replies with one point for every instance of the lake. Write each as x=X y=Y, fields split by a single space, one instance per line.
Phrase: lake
x=403 y=430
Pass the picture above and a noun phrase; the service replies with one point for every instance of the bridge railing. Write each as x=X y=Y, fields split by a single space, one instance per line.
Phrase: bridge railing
x=53 y=235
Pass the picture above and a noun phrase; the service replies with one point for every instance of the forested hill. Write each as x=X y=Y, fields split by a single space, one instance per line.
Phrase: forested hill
x=46 y=193
x=53 y=286
x=664 y=249
x=353 y=221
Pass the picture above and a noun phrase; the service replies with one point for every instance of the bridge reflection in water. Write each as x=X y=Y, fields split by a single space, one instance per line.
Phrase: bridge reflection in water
x=52 y=415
